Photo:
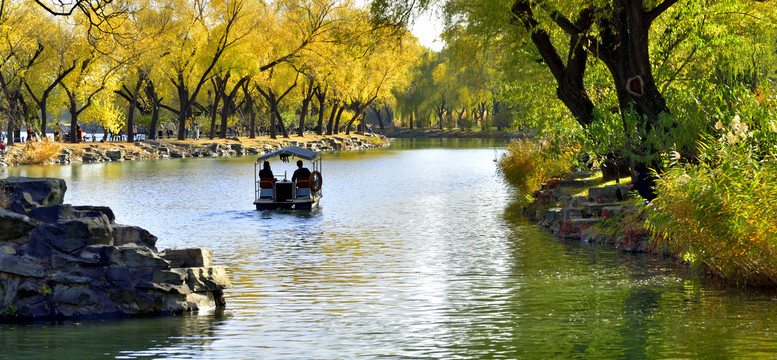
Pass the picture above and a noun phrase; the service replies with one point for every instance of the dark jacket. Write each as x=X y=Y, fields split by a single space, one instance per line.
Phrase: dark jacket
x=301 y=173
x=645 y=186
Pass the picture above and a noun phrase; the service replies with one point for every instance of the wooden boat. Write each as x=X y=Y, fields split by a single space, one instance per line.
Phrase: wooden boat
x=301 y=194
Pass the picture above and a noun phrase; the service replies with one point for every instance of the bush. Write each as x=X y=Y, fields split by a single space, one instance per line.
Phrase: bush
x=36 y=153
x=719 y=213
x=528 y=163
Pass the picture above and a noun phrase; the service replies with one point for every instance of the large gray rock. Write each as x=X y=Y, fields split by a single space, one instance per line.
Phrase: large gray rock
x=134 y=256
x=18 y=265
x=208 y=279
x=70 y=236
x=13 y=225
x=126 y=234
x=64 y=262
x=115 y=155
x=197 y=257
x=32 y=192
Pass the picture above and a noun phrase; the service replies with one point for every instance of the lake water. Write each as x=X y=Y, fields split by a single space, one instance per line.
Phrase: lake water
x=417 y=251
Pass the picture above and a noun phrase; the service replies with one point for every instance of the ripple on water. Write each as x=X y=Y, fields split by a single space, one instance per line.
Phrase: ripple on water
x=412 y=254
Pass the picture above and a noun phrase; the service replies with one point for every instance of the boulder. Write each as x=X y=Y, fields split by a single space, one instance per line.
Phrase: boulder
x=93 y=211
x=134 y=256
x=33 y=192
x=74 y=262
x=552 y=216
x=208 y=279
x=18 y=265
x=115 y=154
x=571 y=213
x=126 y=234
x=70 y=236
x=197 y=257
x=13 y=225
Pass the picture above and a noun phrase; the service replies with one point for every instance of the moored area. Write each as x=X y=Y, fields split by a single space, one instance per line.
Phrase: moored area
x=60 y=261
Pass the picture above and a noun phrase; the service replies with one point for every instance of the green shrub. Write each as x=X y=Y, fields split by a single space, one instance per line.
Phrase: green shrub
x=529 y=163
x=720 y=213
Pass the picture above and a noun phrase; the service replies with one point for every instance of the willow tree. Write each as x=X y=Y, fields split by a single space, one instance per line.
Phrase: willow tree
x=19 y=51
x=566 y=34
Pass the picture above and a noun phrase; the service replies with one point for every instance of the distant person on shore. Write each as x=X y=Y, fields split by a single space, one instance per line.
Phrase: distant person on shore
x=645 y=182
x=302 y=173
x=266 y=177
x=79 y=134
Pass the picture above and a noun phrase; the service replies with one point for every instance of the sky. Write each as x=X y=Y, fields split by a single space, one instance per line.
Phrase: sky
x=427 y=29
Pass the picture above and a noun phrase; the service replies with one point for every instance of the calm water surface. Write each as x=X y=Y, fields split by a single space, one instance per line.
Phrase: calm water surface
x=417 y=251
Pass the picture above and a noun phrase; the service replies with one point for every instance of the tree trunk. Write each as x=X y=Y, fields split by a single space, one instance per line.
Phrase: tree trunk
x=73 y=108
x=337 y=120
x=331 y=122
x=249 y=107
x=627 y=57
x=131 y=111
x=379 y=116
x=305 y=103
x=155 y=102
x=321 y=97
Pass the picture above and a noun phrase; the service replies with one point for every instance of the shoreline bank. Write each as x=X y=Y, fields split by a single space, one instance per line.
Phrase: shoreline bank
x=54 y=153
x=577 y=208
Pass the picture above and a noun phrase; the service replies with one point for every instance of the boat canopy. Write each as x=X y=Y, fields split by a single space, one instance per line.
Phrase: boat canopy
x=295 y=151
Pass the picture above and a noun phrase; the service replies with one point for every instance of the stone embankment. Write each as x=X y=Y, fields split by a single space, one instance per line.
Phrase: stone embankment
x=559 y=210
x=59 y=261
x=142 y=150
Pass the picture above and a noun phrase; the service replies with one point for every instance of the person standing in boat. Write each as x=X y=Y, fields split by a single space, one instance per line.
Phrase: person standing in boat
x=266 y=177
x=302 y=173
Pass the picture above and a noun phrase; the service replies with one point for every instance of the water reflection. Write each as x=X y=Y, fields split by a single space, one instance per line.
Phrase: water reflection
x=185 y=336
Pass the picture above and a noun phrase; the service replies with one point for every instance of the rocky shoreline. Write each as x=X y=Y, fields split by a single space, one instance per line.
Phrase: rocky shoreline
x=558 y=209
x=65 y=262
x=167 y=149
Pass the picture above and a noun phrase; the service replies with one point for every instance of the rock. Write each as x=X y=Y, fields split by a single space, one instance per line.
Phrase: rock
x=13 y=225
x=572 y=229
x=70 y=236
x=133 y=256
x=592 y=209
x=552 y=215
x=74 y=262
x=18 y=265
x=91 y=157
x=115 y=154
x=120 y=277
x=208 y=279
x=571 y=213
x=125 y=234
x=188 y=257
x=32 y=192
x=91 y=211
x=614 y=210
x=608 y=194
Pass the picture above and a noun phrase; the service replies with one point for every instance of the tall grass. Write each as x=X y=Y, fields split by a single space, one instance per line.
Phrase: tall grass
x=36 y=153
x=720 y=213
x=528 y=163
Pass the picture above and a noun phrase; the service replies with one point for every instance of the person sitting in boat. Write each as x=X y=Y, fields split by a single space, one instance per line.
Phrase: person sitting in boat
x=266 y=177
x=301 y=175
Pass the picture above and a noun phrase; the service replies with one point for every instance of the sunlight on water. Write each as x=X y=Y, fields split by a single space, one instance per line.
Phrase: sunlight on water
x=413 y=253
